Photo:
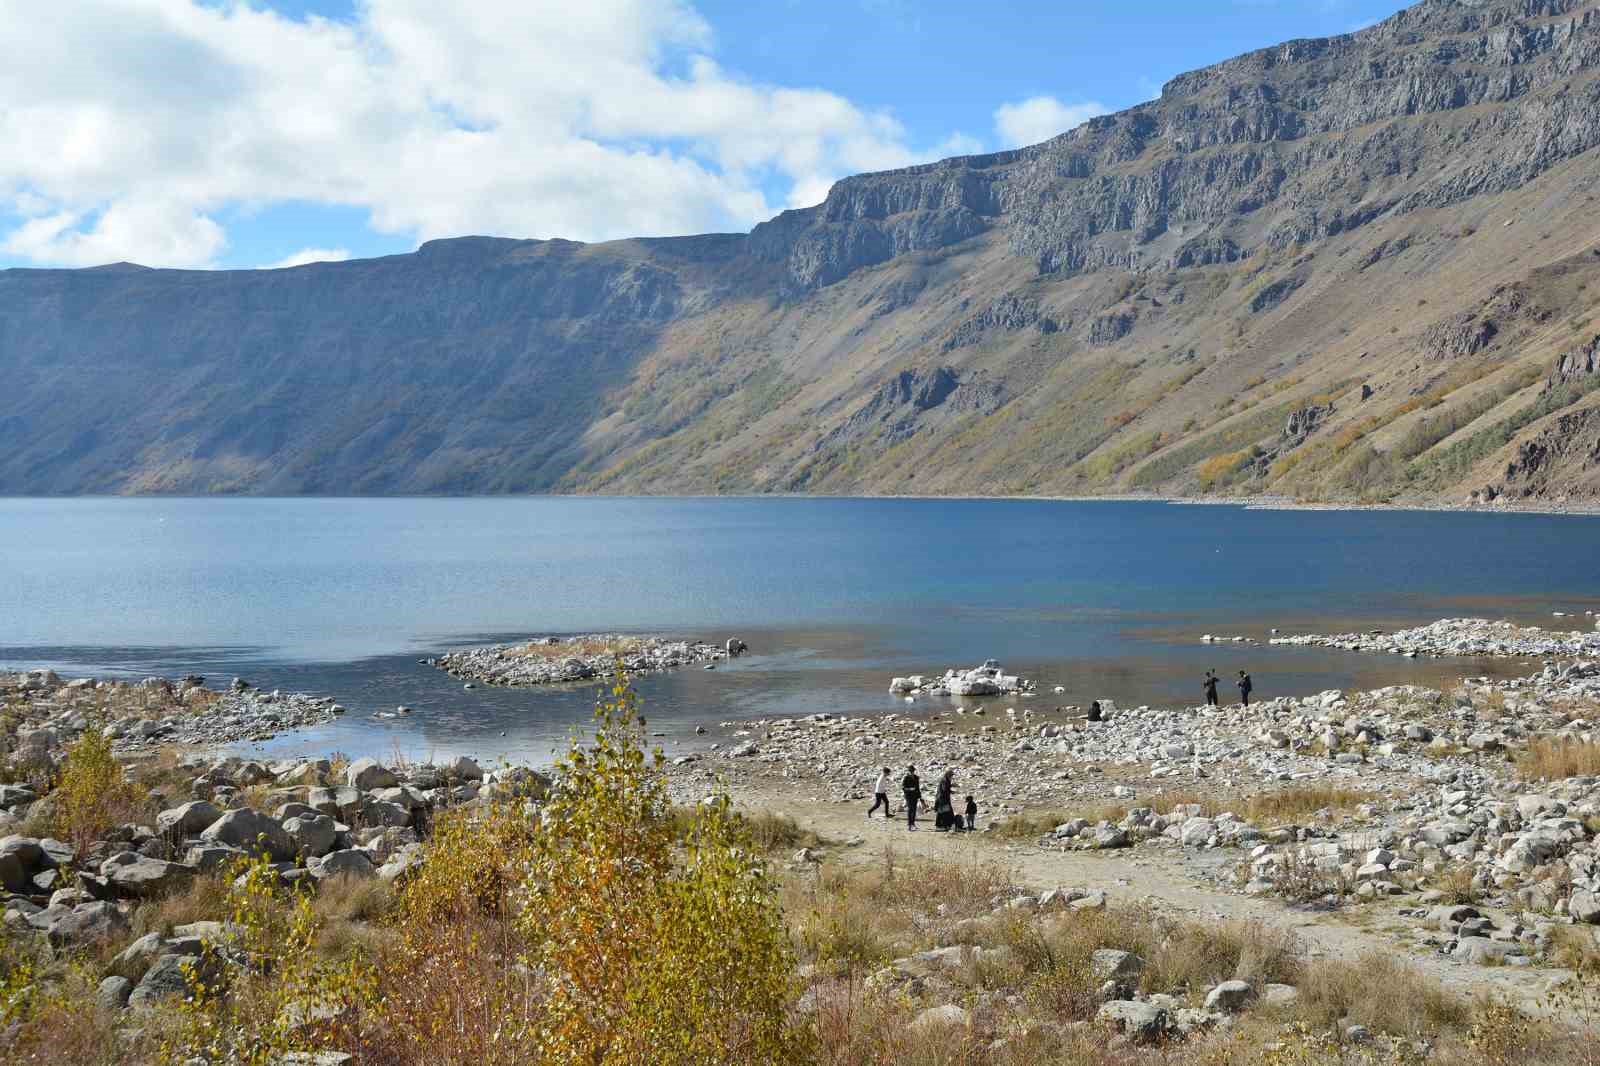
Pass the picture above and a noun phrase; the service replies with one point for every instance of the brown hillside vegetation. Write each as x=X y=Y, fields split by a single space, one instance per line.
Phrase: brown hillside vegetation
x=1357 y=268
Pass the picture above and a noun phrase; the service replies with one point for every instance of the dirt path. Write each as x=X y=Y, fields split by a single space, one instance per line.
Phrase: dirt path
x=1157 y=874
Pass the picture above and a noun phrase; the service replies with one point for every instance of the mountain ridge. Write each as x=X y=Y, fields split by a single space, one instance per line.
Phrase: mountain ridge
x=1152 y=301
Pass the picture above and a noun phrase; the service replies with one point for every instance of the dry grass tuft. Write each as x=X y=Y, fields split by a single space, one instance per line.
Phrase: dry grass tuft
x=583 y=648
x=1551 y=758
x=1457 y=886
x=204 y=899
x=779 y=832
x=1383 y=993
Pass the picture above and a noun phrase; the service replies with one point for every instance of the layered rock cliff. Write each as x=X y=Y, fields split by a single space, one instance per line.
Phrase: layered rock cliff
x=1394 y=228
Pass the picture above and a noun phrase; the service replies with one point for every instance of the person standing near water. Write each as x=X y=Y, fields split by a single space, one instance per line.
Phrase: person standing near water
x=944 y=810
x=911 y=789
x=1244 y=688
x=1211 y=688
x=880 y=796
x=944 y=804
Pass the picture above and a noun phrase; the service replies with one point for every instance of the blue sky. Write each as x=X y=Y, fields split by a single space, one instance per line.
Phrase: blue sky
x=231 y=134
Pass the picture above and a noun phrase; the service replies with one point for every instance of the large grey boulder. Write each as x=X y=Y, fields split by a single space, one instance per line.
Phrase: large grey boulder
x=190 y=819
x=85 y=923
x=1584 y=907
x=139 y=954
x=313 y=833
x=169 y=976
x=253 y=832
x=343 y=803
x=14 y=874
x=1109 y=964
x=1110 y=837
x=465 y=769
x=381 y=813
x=112 y=995
x=1482 y=950
x=949 y=1016
x=1143 y=1023
x=347 y=863
x=148 y=878
x=368 y=774
x=1229 y=996
x=1196 y=832
x=401 y=866
x=207 y=857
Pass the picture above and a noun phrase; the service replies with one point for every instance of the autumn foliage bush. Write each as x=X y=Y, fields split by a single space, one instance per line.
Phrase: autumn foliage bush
x=92 y=794
x=597 y=928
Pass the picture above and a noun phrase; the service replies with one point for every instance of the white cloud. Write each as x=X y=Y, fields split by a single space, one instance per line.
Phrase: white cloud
x=130 y=124
x=160 y=230
x=1040 y=118
x=310 y=255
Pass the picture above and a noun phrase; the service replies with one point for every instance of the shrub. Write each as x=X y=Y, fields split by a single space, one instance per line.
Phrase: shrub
x=261 y=991
x=92 y=794
x=643 y=956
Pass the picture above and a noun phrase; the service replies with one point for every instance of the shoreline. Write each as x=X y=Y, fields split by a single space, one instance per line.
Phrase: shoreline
x=1254 y=503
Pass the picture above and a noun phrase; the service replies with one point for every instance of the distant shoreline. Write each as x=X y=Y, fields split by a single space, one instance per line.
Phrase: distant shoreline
x=1252 y=503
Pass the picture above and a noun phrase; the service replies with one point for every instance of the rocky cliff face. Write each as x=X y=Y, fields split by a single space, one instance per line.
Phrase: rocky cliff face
x=1389 y=227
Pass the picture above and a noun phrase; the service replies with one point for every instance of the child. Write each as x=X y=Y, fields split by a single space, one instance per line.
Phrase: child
x=972 y=814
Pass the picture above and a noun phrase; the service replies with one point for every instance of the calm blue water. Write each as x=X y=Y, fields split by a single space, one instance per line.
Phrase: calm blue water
x=835 y=595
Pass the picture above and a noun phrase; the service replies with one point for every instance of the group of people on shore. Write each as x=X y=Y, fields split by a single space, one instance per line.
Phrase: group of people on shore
x=945 y=818
x=1212 y=681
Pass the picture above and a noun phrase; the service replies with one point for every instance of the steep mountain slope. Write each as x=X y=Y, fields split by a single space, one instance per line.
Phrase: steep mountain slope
x=1362 y=267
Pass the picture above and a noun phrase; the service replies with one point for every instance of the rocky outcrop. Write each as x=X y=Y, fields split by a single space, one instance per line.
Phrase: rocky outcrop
x=1008 y=314
x=1112 y=326
x=1274 y=293
x=1562 y=458
x=1576 y=365
x=1303 y=421
x=915 y=399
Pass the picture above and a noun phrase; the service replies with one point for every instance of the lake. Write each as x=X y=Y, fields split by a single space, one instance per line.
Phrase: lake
x=835 y=596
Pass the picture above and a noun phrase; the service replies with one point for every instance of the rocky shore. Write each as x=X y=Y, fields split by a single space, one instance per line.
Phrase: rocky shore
x=154 y=711
x=314 y=821
x=1435 y=801
x=559 y=660
x=1463 y=636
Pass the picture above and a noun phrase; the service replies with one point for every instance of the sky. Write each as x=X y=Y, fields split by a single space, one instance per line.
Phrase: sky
x=243 y=134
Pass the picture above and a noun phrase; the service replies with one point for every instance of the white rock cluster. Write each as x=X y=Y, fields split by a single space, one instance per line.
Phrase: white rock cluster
x=986 y=680
x=1462 y=636
x=559 y=660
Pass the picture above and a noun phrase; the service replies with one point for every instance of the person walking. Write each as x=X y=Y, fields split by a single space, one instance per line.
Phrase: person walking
x=911 y=789
x=972 y=814
x=944 y=810
x=880 y=796
x=1244 y=688
x=1211 y=688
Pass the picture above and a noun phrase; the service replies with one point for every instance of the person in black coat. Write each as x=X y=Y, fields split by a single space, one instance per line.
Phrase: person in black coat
x=1211 y=688
x=944 y=808
x=911 y=788
x=1244 y=688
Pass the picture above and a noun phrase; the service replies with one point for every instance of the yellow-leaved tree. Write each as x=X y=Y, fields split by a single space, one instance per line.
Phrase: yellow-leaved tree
x=650 y=948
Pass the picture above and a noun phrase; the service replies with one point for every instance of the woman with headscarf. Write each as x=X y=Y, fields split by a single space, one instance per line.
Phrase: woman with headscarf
x=944 y=812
